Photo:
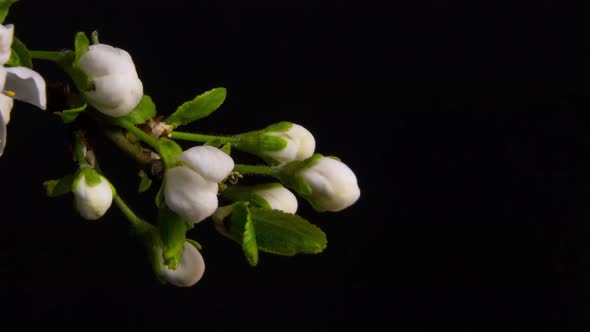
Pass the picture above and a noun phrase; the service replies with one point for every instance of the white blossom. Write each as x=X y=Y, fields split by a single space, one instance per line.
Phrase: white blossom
x=19 y=83
x=116 y=88
x=333 y=184
x=191 y=189
x=190 y=269
x=277 y=197
x=300 y=144
x=92 y=200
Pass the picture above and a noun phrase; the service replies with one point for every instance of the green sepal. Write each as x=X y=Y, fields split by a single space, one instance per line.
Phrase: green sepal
x=55 y=188
x=19 y=55
x=145 y=110
x=67 y=63
x=69 y=116
x=81 y=45
x=169 y=151
x=90 y=176
x=194 y=243
x=198 y=108
x=280 y=127
x=244 y=230
x=226 y=148
x=289 y=174
x=4 y=8
x=259 y=143
x=159 y=199
x=144 y=183
x=173 y=233
x=216 y=142
x=94 y=37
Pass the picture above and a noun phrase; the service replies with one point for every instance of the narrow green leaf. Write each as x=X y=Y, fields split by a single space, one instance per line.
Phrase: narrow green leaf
x=241 y=218
x=145 y=110
x=286 y=234
x=169 y=151
x=59 y=187
x=144 y=183
x=173 y=233
x=198 y=108
x=19 y=55
x=159 y=199
x=4 y=8
x=81 y=44
x=94 y=37
x=194 y=243
x=69 y=116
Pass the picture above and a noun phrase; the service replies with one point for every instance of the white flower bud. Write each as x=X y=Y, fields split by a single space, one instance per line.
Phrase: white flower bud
x=300 y=144
x=93 y=194
x=190 y=269
x=6 y=35
x=211 y=163
x=117 y=88
x=189 y=194
x=277 y=197
x=333 y=184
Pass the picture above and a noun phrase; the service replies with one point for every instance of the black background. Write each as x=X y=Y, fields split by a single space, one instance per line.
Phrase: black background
x=319 y=66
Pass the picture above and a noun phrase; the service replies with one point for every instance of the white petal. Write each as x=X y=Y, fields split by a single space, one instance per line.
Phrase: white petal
x=6 y=104
x=92 y=202
x=27 y=85
x=6 y=35
x=279 y=198
x=333 y=184
x=190 y=269
x=189 y=194
x=212 y=163
x=2 y=134
x=104 y=60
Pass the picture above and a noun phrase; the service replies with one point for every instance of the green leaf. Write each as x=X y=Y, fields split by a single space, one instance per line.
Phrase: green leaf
x=145 y=110
x=94 y=37
x=244 y=225
x=59 y=187
x=81 y=44
x=4 y=7
x=159 y=199
x=69 y=116
x=19 y=55
x=144 y=183
x=198 y=108
x=173 y=233
x=169 y=151
x=280 y=233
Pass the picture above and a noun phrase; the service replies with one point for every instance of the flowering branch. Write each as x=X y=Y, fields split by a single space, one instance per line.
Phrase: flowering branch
x=198 y=183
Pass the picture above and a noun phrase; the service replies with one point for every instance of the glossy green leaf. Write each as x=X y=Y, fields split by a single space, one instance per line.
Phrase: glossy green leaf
x=55 y=188
x=81 y=44
x=173 y=233
x=145 y=110
x=4 y=8
x=198 y=108
x=19 y=55
x=242 y=220
x=69 y=116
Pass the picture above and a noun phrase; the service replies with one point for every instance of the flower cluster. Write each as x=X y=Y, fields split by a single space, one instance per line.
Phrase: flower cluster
x=196 y=183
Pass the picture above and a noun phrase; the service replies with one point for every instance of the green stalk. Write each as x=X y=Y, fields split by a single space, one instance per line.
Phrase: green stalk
x=199 y=137
x=256 y=169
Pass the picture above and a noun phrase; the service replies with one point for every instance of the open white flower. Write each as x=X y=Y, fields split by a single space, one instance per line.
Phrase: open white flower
x=19 y=83
x=190 y=269
x=93 y=194
x=333 y=184
x=191 y=190
x=116 y=87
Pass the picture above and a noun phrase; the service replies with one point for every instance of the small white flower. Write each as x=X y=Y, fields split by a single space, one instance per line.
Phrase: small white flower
x=93 y=194
x=277 y=197
x=300 y=144
x=19 y=83
x=212 y=163
x=189 y=194
x=116 y=87
x=190 y=269
x=333 y=184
